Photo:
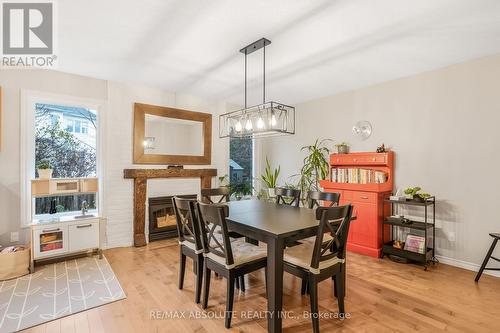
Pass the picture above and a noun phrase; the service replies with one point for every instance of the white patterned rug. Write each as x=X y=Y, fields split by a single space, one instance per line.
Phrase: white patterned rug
x=55 y=291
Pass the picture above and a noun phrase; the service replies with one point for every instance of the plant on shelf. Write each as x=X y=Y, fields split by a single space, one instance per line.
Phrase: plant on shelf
x=241 y=189
x=342 y=148
x=270 y=177
x=315 y=167
x=412 y=193
x=44 y=170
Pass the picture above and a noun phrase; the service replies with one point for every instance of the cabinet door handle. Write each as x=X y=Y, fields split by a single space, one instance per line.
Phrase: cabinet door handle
x=364 y=197
x=51 y=230
x=374 y=159
x=84 y=226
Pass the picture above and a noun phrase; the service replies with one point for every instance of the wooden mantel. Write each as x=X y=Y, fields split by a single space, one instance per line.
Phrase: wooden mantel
x=141 y=176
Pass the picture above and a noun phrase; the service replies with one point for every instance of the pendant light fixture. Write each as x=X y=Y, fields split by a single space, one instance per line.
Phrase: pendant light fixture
x=266 y=119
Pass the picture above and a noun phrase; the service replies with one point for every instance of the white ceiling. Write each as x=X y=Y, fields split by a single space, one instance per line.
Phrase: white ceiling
x=319 y=47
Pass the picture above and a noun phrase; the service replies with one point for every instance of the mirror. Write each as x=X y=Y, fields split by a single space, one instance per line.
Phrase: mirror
x=171 y=136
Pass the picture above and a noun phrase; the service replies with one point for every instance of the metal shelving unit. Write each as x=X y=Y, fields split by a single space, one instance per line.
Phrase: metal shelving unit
x=428 y=226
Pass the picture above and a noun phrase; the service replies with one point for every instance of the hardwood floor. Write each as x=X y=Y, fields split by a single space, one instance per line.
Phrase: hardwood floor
x=382 y=296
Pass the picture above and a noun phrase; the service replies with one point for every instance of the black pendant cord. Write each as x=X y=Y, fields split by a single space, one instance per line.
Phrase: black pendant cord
x=245 y=80
x=264 y=76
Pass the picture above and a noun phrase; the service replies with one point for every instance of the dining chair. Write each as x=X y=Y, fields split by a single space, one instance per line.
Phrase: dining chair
x=229 y=259
x=316 y=199
x=287 y=196
x=496 y=237
x=215 y=195
x=323 y=260
x=189 y=241
x=220 y=195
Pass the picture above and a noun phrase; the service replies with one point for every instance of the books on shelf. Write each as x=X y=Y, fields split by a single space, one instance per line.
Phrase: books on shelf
x=415 y=244
x=358 y=176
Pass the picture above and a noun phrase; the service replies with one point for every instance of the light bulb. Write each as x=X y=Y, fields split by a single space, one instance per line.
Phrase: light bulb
x=237 y=127
x=248 y=125
x=260 y=123
x=272 y=122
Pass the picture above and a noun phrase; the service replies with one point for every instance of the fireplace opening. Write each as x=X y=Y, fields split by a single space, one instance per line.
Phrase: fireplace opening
x=162 y=223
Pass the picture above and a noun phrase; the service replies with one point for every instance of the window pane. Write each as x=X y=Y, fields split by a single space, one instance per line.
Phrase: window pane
x=64 y=203
x=68 y=154
x=240 y=165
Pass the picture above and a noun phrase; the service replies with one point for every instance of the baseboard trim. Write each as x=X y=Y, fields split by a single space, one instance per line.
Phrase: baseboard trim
x=465 y=265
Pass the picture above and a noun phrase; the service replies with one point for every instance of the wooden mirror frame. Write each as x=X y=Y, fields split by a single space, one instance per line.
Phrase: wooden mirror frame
x=139 y=157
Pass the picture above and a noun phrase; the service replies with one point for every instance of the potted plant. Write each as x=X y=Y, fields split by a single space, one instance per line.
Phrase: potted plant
x=44 y=170
x=223 y=180
x=315 y=166
x=270 y=177
x=342 y=148
x=240 y=190
x=412 y=194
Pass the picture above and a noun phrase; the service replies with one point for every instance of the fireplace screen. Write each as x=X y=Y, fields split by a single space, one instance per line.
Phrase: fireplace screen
x=162 y=222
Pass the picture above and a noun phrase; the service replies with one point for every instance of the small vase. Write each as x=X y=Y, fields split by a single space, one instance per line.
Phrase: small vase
x=343 y=149
x=45 y=173
x=272 y=192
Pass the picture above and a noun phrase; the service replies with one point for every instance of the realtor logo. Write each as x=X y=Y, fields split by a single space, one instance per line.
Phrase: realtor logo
x=28 y=34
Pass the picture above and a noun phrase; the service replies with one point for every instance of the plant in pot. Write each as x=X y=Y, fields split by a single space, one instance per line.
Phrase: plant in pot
x=342 y=148
x=239 y=190
x=270 y=178
x=412 y=194
x=44 y=170
x=223 y=180
x=315 y=167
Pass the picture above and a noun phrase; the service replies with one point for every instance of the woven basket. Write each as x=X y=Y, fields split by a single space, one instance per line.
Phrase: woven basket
x=14 y=264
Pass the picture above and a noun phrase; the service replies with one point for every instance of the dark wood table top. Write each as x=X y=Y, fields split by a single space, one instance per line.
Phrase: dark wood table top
x=270 y=218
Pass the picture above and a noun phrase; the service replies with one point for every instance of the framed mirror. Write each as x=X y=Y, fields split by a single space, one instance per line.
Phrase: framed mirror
x=164 y=135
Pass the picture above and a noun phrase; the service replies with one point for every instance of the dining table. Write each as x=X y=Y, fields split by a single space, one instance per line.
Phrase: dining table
x=275 y=225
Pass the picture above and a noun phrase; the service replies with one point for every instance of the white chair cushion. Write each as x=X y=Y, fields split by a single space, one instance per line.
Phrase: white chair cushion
x=326 y=238
x=192 y=246
x=301 y=255
x=243 y=252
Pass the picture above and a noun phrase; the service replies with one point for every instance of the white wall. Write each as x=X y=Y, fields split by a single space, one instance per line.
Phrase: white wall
x=118 y=102
x=444 y=128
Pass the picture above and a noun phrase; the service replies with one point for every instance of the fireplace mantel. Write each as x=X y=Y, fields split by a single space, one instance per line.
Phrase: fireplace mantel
x=141 y=176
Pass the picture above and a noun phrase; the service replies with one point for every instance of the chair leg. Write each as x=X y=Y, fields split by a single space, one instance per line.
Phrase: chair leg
x=242 y=283
x=313 y=290
x=229 y=301
x=182 y=269
x=303 y=288
x=340 y=287
x=199 y=279
x=265 y=278
x=486 y=259
x=334 y=282
x=237 y=283
x=206 y=281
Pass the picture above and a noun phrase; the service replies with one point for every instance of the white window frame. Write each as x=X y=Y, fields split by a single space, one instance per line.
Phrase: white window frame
x=27 y=142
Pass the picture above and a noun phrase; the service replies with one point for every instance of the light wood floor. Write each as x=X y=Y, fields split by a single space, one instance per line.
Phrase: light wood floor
x=382 y=296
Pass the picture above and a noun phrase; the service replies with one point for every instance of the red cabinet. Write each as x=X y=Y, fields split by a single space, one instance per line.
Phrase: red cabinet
x=365 y=233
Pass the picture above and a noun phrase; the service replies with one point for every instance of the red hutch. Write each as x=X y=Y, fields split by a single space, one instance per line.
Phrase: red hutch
x=363 y=179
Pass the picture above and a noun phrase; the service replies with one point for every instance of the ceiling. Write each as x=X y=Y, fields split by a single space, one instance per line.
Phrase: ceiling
x=319 y=47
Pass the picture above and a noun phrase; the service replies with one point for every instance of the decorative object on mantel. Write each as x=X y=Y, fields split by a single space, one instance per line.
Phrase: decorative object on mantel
x=175 y=167
x=381 y=149
x=44 y=170
x=342 y=148
x=140 y=177
x=362 y=130
x=154 y=128
x=266 y=119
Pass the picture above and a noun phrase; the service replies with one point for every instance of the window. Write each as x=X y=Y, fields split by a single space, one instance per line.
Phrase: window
x=69 y=155
x=241 y=166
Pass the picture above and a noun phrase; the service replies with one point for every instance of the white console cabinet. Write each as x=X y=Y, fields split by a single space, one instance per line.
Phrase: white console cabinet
x=51 y=239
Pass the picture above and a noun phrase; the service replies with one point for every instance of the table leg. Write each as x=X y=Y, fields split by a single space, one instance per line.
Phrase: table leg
x=275 y=284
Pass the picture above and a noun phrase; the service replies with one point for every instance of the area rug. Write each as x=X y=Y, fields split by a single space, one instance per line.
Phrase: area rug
x=55 y=291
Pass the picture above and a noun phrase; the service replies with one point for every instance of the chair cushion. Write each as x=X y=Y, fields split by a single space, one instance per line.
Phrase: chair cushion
x=312 y=240
x=191 y=245
x=243 y=253
x=301 y=255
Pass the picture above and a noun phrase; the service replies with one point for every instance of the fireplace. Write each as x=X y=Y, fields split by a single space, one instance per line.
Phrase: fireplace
x=162 y=223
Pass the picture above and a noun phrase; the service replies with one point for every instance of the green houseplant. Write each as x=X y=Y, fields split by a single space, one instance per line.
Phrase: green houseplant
x=412 y=192
x=44 y=170
x=315 y=167
x=270 y=177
